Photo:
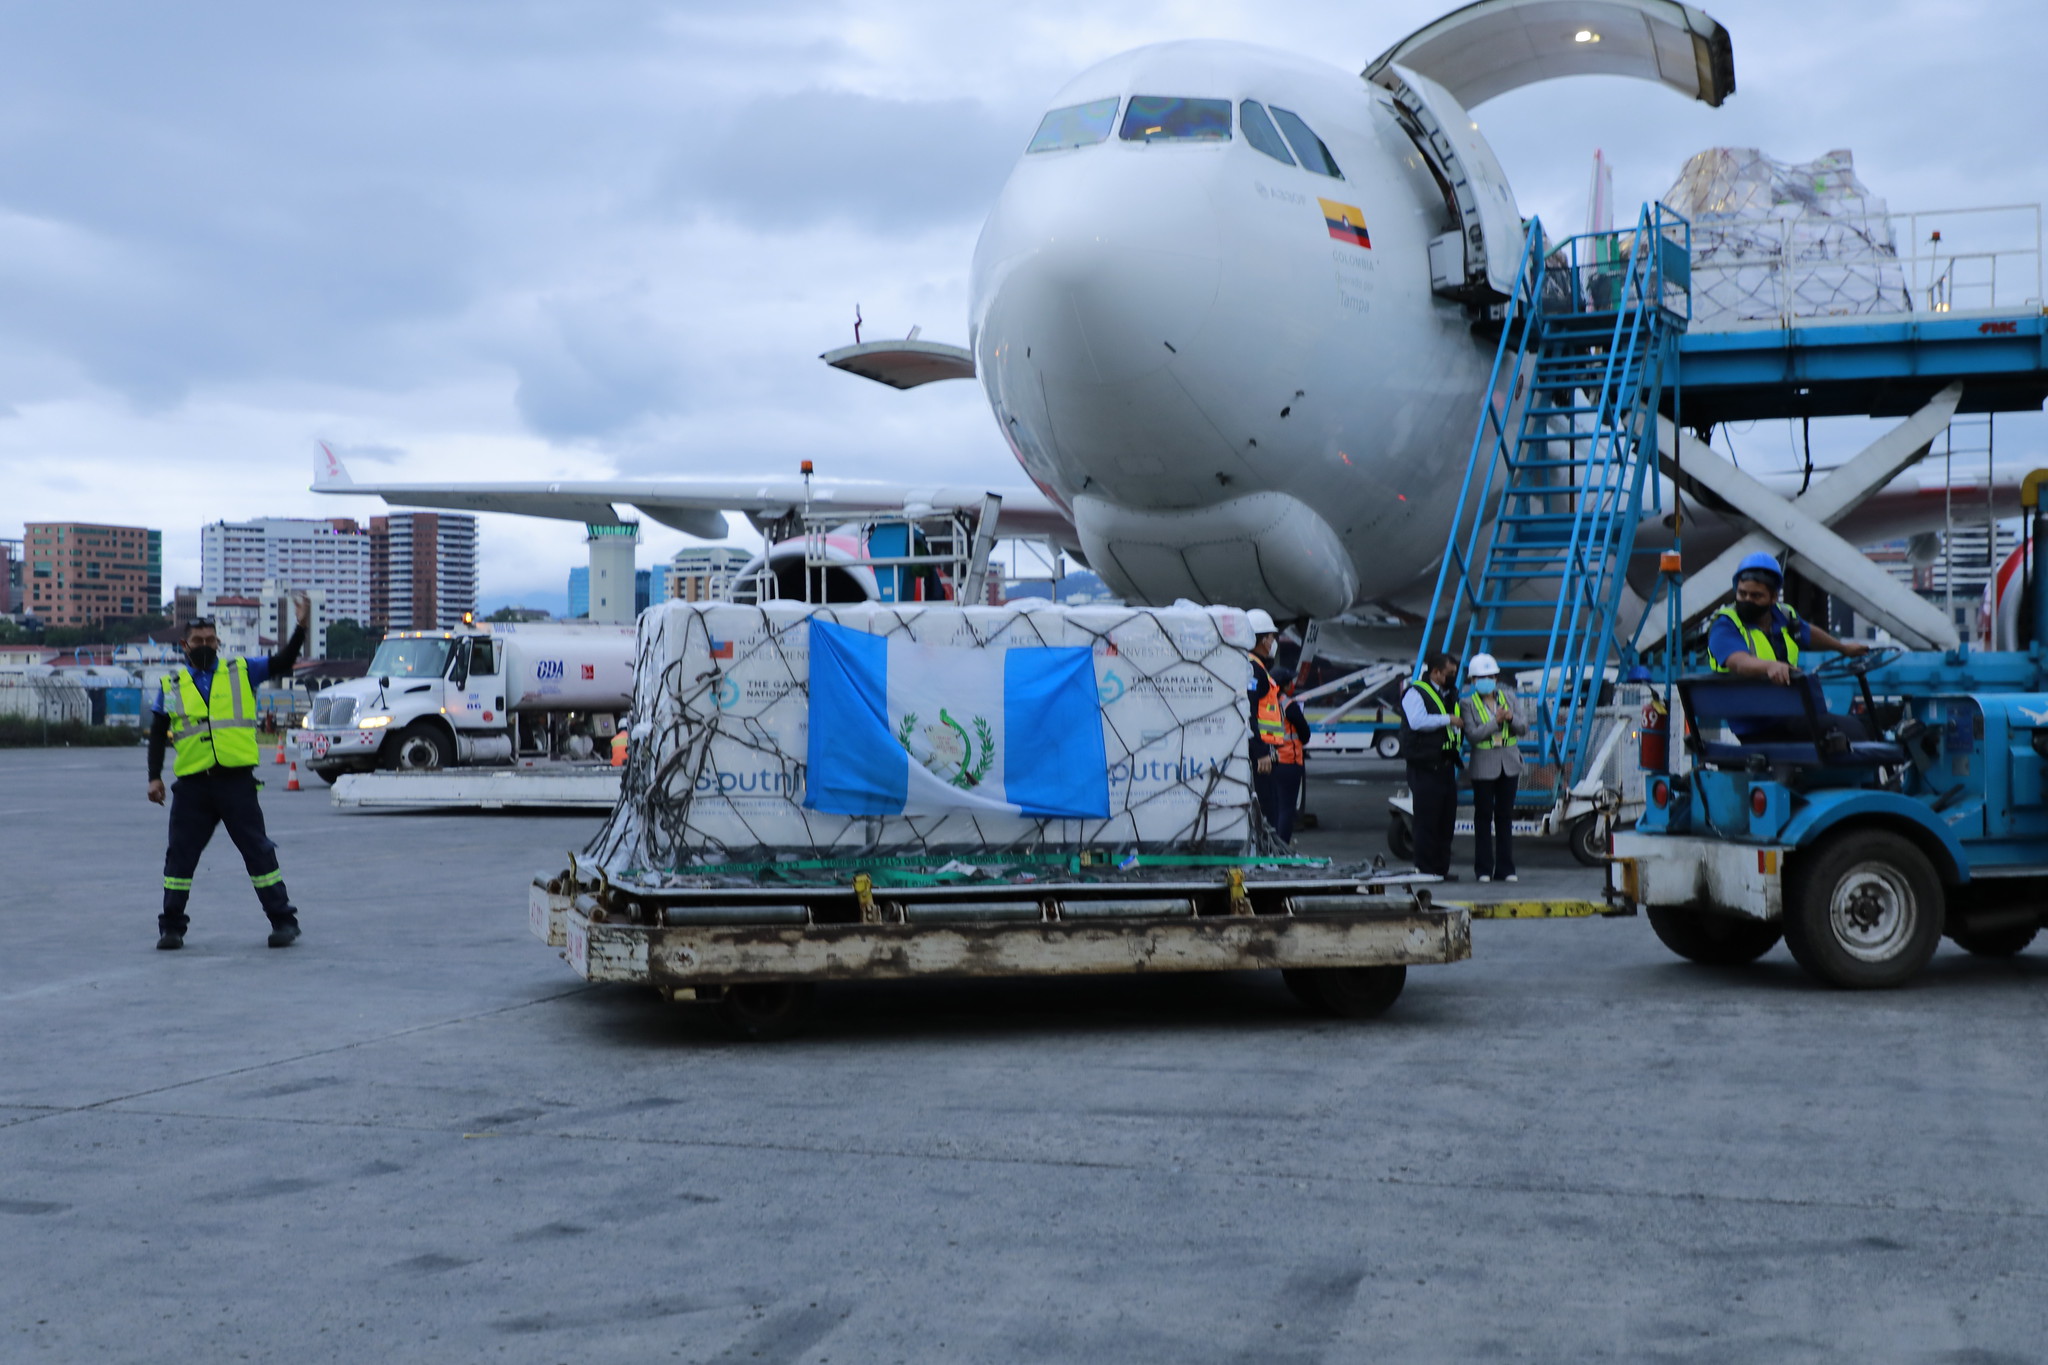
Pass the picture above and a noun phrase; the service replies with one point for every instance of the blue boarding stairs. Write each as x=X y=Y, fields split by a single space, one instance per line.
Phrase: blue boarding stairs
x=1558 y=479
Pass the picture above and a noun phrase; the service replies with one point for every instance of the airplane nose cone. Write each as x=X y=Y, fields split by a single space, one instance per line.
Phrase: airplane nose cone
x=1104 y=281
x=1107 y=313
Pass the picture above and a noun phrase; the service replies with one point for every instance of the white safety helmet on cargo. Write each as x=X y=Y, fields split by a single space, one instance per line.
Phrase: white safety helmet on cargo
x=1262 y=622
x=1482 y=666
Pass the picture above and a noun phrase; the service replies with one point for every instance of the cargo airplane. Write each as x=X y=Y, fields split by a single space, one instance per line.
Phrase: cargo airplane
x=1223 y=313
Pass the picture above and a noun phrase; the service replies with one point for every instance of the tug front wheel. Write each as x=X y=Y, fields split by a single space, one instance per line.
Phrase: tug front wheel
x=1716 y=940
x=1401 y=837
x=1863 y=910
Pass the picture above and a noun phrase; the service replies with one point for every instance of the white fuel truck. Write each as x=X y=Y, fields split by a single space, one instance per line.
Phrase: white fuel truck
x=478 y=695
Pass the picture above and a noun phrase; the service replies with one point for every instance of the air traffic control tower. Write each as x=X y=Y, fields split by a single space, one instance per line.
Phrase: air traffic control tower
x=613 y=547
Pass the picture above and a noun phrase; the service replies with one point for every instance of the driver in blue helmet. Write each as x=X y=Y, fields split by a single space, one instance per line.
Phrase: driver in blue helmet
x=1755 y=636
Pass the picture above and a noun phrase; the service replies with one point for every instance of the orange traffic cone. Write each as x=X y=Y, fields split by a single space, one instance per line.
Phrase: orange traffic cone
x=291 y=783
x=280 y=752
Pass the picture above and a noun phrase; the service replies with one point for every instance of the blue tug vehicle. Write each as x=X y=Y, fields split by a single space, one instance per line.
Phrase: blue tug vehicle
x=1877 y=804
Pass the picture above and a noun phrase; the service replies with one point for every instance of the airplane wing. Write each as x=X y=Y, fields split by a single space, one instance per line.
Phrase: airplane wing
x=696 y=506
x=1493 y=46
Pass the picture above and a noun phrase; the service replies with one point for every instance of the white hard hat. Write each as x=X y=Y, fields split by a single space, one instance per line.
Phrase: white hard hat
x=1482 y=666
x=1262 y=622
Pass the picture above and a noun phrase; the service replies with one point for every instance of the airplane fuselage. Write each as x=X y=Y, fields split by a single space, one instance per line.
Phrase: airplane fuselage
x=1241 y=392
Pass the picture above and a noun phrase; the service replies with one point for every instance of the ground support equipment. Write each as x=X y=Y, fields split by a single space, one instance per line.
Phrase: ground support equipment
x=558 y=786
x=1343 y=943
x=1860 y=853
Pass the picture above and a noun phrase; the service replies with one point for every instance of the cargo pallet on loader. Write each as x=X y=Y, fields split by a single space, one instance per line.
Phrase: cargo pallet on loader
x=1342 y=944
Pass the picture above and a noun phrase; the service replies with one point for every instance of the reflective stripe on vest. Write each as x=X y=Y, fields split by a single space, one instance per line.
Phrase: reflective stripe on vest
x=1272 y=719
x=1758 y=642
x=218 y=729
x=1452 y=741
x=1272 y=724
x=1504 y=738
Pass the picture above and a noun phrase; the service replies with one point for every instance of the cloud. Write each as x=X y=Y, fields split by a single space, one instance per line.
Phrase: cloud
x=785 y=163
x=535 y=239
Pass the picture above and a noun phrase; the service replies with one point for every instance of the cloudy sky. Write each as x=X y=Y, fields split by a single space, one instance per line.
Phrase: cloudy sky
x=529 y=238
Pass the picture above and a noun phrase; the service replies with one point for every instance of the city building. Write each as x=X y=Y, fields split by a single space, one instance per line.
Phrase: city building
x=10 y=577
x=257 y=624
x=702 y=573
x=1948 y=571
x=81 y=573
x=236 y=558
x=423 y=570
x=238 y=620
x=579 y=591
x=184 y=605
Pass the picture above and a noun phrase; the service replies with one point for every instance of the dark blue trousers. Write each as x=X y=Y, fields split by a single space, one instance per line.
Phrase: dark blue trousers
x=1493 y=826
x=1279 y=795
x=199 y=804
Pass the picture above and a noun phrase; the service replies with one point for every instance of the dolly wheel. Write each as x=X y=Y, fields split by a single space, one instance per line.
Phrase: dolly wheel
x=766 y=1011
x=1347 y=992
x=1401 y=837
x=1588 y=840
x=1863 y=910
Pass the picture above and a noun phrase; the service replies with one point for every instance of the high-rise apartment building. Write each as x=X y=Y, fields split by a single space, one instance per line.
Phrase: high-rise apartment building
x=423 y=570
x=80 y=573
x=332 y=555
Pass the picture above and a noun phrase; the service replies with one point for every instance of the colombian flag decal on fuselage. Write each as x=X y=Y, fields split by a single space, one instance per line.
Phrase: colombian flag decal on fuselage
x=1346 y=223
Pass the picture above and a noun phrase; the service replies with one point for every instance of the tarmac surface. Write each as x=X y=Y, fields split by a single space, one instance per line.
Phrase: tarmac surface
x=415 y=1136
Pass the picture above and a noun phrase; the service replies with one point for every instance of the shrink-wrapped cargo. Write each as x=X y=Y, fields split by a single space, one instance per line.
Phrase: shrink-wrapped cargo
x=976 y=712
x=1773 y=241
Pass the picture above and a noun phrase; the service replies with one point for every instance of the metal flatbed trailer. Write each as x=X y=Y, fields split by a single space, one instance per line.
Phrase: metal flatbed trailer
x=558 y=786
x=1342 y=944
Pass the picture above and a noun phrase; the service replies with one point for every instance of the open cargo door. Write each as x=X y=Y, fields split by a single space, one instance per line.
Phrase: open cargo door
x=1494 y=46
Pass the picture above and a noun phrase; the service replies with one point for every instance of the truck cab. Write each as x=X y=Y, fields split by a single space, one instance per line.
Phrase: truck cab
x=479 y=694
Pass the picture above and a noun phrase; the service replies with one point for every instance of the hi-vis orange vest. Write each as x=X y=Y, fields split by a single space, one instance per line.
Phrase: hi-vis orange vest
x=1272 y=724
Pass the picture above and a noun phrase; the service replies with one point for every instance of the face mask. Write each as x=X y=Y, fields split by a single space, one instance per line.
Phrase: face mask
x=1753 y=613
x=1484 y=687
x=203 y=658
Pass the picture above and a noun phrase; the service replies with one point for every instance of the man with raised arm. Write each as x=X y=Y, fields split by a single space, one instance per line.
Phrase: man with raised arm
x=207 y=710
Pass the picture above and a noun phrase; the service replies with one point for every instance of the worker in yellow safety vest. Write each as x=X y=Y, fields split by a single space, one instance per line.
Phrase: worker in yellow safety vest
x=208 y=711
x=1491 y=721
x=1756 y=637
x=1430 y=745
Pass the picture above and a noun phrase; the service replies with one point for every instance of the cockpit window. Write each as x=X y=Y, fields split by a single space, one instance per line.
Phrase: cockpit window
x=1162 y=118
x=1077 y=125
x=1259 y=131
x=1307 y=146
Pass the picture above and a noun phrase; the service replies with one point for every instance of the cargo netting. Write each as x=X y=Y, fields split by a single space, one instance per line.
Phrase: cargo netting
x=1773 y=240
x=719 y=737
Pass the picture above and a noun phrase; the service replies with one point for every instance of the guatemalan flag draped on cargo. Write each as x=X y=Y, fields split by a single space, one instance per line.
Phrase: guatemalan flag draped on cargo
x=900 y=728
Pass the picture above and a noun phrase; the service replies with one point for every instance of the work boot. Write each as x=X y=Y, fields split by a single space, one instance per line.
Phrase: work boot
x=169 y=939
x=284 y=931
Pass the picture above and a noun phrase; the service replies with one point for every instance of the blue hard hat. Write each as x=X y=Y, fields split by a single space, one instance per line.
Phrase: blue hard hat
x=1760 y=563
